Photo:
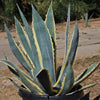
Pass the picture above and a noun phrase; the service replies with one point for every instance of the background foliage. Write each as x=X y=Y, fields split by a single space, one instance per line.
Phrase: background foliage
x=8 y=9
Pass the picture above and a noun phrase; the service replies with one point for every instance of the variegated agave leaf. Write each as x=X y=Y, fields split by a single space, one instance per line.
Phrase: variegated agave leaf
x=25 y=42
x=69 y=58
x=50 y=23
x=83 y=88
x=34 y=88
x=67 y=32
x=14 y=69
x=66 y=78
x=34 y=53
x=44 y=42
x=17 y=51
x=24 y=89
x=86 y=73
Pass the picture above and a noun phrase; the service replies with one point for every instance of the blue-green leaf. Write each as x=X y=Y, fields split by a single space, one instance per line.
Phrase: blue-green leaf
x=34 y=88
x=70 y=56
x=21 y=88
x=83 y=88
x=25 y=42
x=67 y=32
x=66 y=80
x=32 y=43
x=14 y=69
x=51 y=27
x=45 y=43
x=69 y=76
x=51 y=23
x=73 y=46
x=16 y=51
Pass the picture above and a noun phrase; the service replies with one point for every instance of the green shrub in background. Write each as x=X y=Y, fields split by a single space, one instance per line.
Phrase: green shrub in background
x=42 y=7
x=93 y=7
x=8 y=11
x=79 y=8
x=60 y=11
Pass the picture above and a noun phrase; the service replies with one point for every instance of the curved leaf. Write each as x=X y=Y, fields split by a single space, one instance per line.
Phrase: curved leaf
x=14 y=69
x=83 y=88
x=21 y=88
x=86 y=73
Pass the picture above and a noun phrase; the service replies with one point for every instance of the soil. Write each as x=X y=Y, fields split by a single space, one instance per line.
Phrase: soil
x=88 y=52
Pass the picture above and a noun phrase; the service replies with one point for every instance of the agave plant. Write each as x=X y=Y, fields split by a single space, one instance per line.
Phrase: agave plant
x=37 y=54
x=85 y=18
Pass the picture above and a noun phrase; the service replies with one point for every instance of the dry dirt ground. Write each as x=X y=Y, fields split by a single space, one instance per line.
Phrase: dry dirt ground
x=88 y=52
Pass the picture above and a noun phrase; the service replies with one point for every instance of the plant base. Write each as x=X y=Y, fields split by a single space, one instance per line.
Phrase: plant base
x=30 y=96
